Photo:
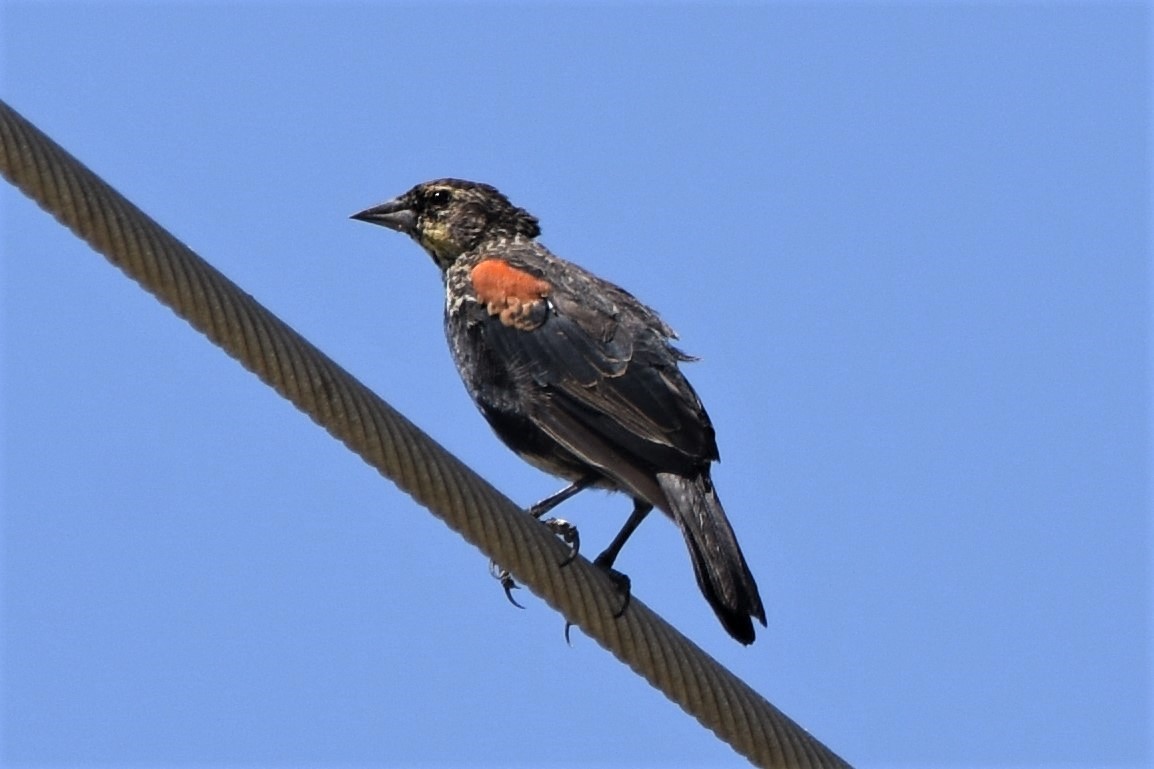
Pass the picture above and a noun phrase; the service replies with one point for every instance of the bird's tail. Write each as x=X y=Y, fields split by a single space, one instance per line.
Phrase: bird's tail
x=718 y=563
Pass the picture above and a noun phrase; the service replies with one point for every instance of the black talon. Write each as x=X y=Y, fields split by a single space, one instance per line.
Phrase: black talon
x=507 y=582
x=625 y=587
x=620 y=580
x=623 y=584
x=509 y=585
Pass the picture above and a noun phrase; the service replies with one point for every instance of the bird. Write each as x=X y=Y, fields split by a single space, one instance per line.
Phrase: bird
x=577 y=376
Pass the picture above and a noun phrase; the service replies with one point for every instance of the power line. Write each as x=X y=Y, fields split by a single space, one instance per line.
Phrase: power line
x=399 y=450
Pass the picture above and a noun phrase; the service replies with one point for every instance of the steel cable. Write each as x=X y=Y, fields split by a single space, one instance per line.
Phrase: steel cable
x=398 y=449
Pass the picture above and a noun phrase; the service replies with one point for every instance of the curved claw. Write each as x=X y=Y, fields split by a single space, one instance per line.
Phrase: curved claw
x=624 y=586
x=621 y=581
x=510 y=586
x=507 y=582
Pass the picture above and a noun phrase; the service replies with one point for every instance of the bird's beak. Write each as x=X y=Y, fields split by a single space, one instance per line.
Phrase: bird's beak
x=393 y=214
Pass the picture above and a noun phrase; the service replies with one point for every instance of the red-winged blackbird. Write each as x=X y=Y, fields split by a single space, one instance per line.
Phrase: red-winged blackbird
x=576 y=376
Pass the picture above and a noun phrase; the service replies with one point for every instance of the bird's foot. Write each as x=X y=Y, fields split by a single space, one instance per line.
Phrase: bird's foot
x=564 y=531
x=507 y=582
x=620 y=580
x=567 y=533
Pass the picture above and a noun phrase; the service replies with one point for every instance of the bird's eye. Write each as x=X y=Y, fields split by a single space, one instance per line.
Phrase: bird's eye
x=439 y=197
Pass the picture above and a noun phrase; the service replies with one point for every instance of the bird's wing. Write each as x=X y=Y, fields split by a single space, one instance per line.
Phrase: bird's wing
x=608 y=378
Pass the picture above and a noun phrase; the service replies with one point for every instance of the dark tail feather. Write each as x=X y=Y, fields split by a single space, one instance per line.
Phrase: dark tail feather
x=721 y=571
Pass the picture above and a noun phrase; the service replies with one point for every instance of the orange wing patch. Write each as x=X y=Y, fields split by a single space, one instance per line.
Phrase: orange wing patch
x=513 y=296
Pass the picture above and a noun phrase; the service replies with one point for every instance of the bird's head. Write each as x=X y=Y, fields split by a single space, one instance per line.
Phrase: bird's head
x=448 y=217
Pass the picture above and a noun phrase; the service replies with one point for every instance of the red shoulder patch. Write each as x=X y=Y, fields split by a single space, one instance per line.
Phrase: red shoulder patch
x=509 y=293
x=496 y=281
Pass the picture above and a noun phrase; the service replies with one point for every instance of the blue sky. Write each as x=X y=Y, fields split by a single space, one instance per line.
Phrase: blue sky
x=910 y=243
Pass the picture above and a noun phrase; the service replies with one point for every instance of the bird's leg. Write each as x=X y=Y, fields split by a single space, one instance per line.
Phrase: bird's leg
x=559 y=526
x=550 y=502
x=609 y=555
x=562 y=528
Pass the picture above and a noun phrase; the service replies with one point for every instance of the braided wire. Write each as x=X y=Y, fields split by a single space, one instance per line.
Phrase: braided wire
x=399 y=450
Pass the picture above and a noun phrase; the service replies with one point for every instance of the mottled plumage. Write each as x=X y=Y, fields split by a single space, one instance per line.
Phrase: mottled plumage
x=576 y=375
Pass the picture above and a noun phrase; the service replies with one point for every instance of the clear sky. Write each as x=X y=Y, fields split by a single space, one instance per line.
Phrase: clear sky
x=910 y=244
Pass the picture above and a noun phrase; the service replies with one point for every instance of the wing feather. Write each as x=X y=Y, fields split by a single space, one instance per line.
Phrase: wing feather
x=611 y=374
